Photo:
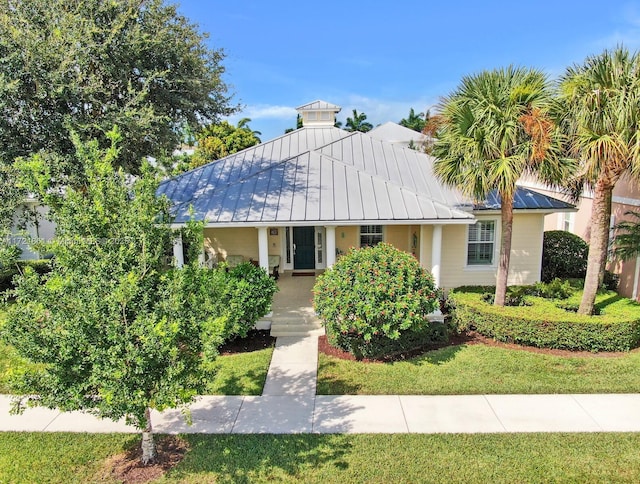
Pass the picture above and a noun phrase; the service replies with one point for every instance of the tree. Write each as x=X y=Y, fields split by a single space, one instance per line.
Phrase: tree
x=222 y=139
x=598 y=112
x=626 y=241
x=358 y=123
x=116 y=330
x=87 y=66
x=494 y=128
x=298 y=125
x=414 y=121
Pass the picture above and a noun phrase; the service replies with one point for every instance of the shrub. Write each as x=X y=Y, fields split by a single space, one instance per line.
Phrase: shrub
x=550 y=324
x=249 y=294
x=564 y=255
x=242 y=295
x=375 y=301
x=41 y=266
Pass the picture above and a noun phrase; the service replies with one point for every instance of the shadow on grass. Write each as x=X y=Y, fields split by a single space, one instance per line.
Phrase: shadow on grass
x=249 y=383
x=246 y=458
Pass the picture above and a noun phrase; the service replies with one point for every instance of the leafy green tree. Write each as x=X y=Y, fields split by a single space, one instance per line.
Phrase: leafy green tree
x=358 y=123
x=598 y=112
x=87 y=66
x=116 y=330
x=298 y=125
x=414 y=121
x=494 y=128
x=222 y=139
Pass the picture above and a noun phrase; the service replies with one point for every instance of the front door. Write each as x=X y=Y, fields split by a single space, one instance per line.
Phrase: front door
x=304 y=251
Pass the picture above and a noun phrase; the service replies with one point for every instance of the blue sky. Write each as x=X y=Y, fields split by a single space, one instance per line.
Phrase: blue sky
x=384 y=57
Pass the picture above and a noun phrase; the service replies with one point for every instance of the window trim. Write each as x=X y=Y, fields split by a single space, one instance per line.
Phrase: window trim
x=381 y=233
x=496 y=246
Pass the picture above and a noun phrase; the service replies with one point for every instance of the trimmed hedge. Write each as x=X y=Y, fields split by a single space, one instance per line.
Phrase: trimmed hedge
x=564 y=255
x=546 y=325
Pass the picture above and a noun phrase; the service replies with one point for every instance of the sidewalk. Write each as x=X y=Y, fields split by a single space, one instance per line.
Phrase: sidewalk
x=289 y=405
x=363 y=414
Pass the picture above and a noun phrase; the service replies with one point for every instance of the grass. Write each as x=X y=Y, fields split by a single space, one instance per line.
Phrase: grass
x=480 y=369
x=241 y=373
x=602 y=457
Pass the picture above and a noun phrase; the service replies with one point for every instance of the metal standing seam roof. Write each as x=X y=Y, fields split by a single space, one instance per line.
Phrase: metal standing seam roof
x=319 y=106
x=315 y=175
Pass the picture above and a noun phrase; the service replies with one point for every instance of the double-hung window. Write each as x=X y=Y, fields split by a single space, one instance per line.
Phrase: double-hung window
x=370 y=235
x=481 y=243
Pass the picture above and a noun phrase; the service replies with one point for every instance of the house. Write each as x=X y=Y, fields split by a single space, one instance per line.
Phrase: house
x=30 y=225
x=626 y=198
x=308 y=196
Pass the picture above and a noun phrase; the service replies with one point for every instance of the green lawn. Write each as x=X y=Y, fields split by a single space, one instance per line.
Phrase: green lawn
x=70 y=458
x=241 y=373
x=479 y=369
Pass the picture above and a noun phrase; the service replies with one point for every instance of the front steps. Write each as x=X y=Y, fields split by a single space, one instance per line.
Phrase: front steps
x=288 y=326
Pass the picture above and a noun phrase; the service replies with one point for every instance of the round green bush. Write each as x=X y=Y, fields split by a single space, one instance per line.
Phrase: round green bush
x=564 y=256
x=375 y=301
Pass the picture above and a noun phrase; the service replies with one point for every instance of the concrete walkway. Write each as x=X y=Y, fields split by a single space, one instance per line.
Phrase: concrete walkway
x=280 y=414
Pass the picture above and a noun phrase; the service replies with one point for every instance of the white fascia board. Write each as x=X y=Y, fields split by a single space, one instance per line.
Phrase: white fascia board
x=322 y=223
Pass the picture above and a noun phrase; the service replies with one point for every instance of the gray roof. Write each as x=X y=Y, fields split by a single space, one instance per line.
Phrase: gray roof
x=525 y=199
x=319 y=106
x=320 y=176
x=395 y=133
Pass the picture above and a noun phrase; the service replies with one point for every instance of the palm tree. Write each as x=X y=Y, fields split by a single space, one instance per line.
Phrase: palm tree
x=413 y=121
x=599 y=112
x=358 y=123
x=626 y=242
x=491 y=130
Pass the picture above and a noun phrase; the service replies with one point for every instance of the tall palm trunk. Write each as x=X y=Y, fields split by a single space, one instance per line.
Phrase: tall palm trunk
x=505 y=250
x=149 y=452
x=598 y=244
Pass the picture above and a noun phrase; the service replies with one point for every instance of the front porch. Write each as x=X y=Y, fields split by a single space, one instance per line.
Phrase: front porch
x=315 y=247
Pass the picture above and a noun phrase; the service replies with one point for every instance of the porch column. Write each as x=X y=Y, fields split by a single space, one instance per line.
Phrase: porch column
x=263 y=248
x=330 y=234
x=423 y=246
x=178 y=254
x=436 y=253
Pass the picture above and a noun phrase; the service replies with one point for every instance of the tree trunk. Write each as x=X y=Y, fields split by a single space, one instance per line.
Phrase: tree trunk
x=149 y=453
x=598 y=245
x=505 y=250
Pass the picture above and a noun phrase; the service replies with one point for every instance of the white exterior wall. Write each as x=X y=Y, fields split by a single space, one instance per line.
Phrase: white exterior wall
x=526 y=254
x=44 y=231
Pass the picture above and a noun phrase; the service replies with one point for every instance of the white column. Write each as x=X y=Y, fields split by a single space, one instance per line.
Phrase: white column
x=423 y=246
x=436 y=253
x=263 y=248
x=330 y=235
x=178 y=253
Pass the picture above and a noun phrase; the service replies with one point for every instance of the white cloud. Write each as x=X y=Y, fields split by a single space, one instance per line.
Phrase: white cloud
x=266 y=111
x=380 y=111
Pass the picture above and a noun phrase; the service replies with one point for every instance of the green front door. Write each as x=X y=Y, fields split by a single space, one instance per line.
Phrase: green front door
x=304 y=256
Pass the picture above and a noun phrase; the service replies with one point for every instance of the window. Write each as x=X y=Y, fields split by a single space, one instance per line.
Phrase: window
x=568 y=221
x=370 y=235
x=480 y=247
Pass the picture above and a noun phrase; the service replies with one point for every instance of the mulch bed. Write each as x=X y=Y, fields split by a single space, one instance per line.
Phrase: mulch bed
x=256 y=340
x=469 y=338
x=128 y=469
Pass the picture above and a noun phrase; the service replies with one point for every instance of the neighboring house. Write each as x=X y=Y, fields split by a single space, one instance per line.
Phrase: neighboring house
x=398 y=135
x=30 y=224
x=308 y=196
x=626 y=197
